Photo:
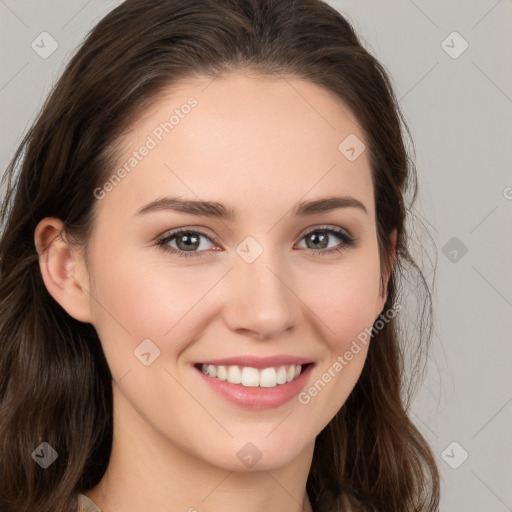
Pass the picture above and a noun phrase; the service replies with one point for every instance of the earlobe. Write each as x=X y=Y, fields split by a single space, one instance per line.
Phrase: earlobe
x=62 y=269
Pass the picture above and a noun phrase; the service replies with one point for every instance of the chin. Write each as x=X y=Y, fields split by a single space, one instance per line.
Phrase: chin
x=259 y=455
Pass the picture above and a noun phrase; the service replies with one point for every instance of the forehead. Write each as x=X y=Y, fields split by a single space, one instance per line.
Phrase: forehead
x=244 y=137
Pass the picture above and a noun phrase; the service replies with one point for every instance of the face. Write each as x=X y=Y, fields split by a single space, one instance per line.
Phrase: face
x=268 y=282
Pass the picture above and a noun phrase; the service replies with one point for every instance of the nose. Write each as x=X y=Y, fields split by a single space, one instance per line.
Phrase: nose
x=261 y=301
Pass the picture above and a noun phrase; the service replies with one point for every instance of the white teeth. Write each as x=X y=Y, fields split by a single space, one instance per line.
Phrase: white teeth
x=281 y=375
x=234 y=375
x=252 y=377
x=222 y=373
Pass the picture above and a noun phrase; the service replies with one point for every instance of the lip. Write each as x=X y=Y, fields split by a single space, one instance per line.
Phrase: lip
x=258 y=362
x=256 y=397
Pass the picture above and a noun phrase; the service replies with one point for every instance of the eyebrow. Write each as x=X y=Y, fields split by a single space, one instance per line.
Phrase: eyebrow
x=215 y=209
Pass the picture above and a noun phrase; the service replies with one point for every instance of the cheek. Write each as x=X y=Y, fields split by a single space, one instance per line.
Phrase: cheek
x=134 y=302
x=344 y=304
x=345 y=299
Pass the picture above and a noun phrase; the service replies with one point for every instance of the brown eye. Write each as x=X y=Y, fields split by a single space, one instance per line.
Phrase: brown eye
x=318 y=240
x=187 y=243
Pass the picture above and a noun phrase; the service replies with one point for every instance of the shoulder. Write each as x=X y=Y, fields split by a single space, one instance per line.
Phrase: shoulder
x=87 y=505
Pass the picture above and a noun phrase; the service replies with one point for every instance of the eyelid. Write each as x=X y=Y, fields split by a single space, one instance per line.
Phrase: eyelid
x=197 y=229
x=327 y=227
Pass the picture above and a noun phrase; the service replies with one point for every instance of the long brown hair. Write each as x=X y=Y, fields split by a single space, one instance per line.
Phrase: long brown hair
x=55 y=384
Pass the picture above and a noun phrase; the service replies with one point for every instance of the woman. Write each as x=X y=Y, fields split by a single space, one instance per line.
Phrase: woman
x=200 y=271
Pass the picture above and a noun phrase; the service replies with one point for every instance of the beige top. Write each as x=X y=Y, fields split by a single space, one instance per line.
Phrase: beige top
x=87 y=505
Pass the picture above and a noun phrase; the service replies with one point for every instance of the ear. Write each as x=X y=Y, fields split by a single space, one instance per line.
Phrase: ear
x=63 y=270
x=392 y=258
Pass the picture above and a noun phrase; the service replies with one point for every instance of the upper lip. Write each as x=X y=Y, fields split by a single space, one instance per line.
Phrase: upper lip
x=258 y=362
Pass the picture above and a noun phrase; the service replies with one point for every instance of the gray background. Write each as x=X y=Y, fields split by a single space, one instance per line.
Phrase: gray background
x=459 y=110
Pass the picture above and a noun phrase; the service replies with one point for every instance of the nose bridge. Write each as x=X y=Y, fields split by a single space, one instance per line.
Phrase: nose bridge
x=260 y=296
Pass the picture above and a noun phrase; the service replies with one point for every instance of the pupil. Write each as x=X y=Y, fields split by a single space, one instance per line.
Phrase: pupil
x=188 y=240
x=322 y=238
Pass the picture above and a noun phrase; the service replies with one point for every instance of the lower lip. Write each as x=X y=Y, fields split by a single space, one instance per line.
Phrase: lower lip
x=257 y=397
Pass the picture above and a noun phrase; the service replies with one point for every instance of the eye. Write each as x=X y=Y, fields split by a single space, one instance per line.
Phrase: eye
x=321 y=237
x=188 y=242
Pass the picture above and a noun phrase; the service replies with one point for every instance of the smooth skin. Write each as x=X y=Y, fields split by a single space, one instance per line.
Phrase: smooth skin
x=258 y=144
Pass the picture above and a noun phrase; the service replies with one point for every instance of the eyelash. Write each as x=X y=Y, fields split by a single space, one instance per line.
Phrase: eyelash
x=347 y=242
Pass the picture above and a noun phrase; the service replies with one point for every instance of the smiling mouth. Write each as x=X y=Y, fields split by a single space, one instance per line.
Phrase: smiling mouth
x=248 y=376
